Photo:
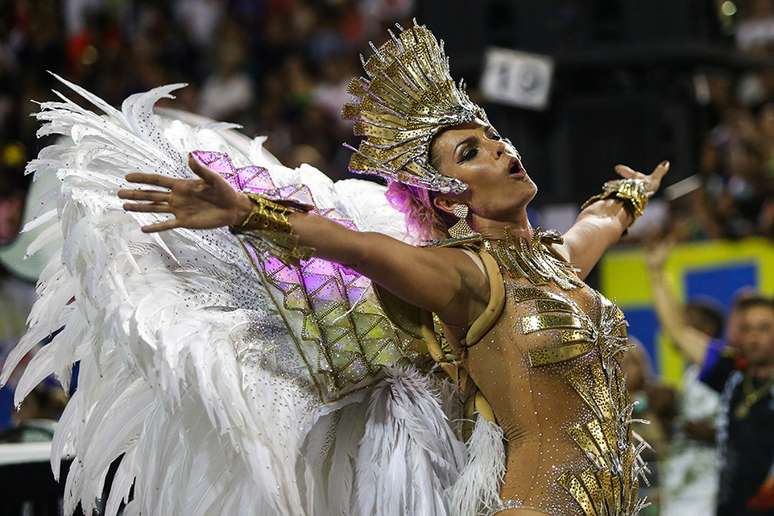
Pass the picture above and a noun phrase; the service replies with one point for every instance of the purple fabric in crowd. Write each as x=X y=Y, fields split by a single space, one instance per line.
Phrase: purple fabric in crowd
x=711 y=356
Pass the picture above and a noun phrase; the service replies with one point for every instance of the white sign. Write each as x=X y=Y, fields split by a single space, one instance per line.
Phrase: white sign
x=517 y=78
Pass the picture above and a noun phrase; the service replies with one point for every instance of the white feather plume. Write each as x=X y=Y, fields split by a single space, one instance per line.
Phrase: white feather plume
x=477 y=489
x=408 y=454
x=178 y=345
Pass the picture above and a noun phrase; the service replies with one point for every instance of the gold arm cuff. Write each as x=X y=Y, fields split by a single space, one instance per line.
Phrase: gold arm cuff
x=269 y=223
x=631 y=192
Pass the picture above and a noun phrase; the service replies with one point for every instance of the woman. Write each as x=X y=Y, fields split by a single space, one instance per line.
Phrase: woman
x=289 y=383
x=531 y=346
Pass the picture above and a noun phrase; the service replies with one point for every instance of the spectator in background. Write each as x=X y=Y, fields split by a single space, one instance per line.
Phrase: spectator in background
x=755 y=37
x=201 y=19
x=755 y=33
x=741 y=367
x=766 y=128
x=654 y=402
x=228 y=93
x=36 y=418
x=689 y=472
x=734 y=177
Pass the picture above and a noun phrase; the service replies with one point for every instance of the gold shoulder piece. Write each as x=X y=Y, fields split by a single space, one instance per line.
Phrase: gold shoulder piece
x=494 y=308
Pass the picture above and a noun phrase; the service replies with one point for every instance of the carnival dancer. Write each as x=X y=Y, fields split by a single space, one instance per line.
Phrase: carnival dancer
x=318 y=388
x=534 y=346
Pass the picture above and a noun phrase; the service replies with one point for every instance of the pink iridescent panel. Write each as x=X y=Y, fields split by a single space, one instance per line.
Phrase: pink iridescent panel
x=348 y=338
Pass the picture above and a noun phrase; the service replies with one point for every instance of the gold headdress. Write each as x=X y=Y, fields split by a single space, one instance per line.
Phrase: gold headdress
x=406 y=99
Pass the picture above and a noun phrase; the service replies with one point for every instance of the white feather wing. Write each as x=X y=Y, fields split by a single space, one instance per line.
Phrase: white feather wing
x=187 y=371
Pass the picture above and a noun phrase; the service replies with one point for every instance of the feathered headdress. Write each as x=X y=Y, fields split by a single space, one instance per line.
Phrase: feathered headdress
x=406 y=99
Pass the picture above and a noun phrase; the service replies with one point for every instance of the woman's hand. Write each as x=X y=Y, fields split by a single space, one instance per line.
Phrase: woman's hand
x=652 y=181
x=205 y=203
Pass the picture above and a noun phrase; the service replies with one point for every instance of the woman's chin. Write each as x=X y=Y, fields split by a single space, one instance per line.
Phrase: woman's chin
x=515 y=204
x=524 y=191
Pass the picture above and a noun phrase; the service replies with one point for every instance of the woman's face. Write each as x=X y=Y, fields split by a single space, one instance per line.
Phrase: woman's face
x=498 y=184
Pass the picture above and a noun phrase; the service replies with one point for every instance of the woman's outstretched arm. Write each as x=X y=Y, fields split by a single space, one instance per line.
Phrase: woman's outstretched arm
x=602 y=223
x=443 y=281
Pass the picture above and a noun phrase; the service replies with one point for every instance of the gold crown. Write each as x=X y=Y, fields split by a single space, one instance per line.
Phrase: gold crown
x=407 y=98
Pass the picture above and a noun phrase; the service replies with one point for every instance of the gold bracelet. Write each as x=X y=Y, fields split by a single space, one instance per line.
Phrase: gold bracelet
x=631 y=192
x=266 y=215
x=268 y=223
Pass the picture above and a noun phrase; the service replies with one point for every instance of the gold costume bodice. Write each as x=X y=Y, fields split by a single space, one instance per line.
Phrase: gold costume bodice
x=548 y=369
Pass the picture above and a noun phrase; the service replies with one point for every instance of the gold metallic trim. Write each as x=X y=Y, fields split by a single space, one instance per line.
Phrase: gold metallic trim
x=576 y=489
x=554 y=354
x=533 y=323
x=494 y=307
x=268 y=224
x=532 y=258
x=591 y=484
x=583 y=439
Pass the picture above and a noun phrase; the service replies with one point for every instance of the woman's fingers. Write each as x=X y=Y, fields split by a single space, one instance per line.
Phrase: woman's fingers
x=201 y=170
x=629 y=173
x=660 y=171
x=161 y=226
x=625 y=172
x=148 y=207
x=151 y=179
x=144 y=195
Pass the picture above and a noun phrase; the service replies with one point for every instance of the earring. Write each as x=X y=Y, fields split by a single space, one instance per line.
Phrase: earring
x=461 y=229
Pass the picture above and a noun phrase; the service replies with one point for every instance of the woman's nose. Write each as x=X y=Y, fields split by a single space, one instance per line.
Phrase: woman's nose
x=499 y=148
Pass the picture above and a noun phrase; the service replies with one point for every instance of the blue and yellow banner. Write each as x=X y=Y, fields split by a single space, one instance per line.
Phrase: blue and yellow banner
x=713 y=270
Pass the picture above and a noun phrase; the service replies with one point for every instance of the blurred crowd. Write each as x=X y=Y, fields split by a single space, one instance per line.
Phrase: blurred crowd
x=732 y=194
x=278 y=67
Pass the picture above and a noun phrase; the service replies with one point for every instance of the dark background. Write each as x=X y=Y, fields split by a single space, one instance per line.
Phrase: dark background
x=624 y=85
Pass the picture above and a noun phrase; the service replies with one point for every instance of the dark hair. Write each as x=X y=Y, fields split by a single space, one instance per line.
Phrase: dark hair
x=705 y=316
x=747 y=301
